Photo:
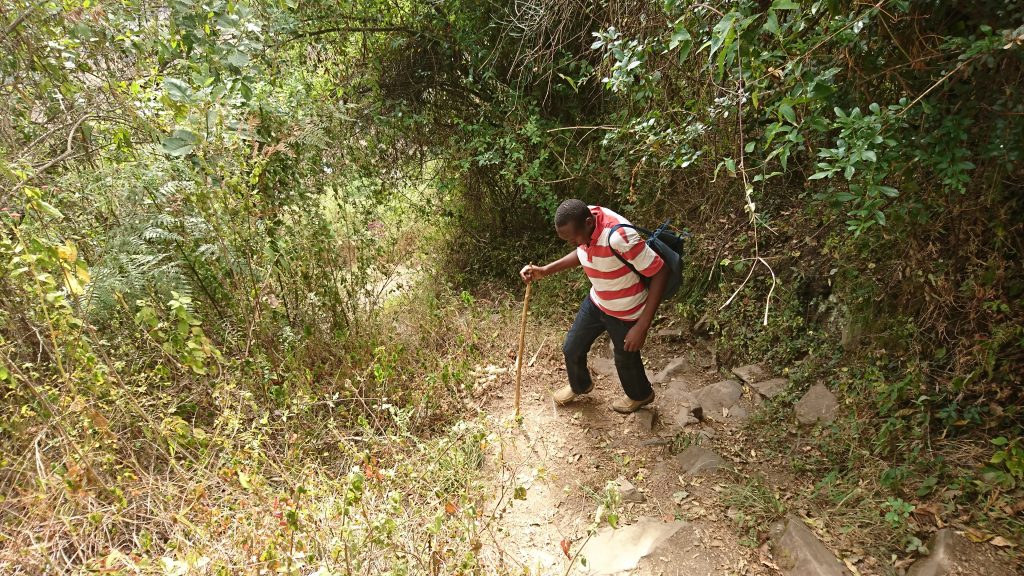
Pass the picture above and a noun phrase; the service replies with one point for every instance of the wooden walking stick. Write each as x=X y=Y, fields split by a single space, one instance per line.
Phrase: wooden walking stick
x=522 y=344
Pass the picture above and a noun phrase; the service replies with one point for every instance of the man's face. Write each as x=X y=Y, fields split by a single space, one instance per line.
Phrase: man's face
x=575 y=234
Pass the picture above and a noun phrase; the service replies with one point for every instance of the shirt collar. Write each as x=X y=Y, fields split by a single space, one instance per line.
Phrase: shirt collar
x=598 y=225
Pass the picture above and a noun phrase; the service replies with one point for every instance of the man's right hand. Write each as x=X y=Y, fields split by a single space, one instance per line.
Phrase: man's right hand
x=529 y=273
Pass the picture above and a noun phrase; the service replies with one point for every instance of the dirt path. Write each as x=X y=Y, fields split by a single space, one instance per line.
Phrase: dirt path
x=551 y=474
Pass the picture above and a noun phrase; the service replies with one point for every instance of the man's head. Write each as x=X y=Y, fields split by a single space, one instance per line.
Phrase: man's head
x=573 y=222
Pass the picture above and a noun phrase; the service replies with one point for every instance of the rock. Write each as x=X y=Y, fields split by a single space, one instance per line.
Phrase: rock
x=817 y=405
x=951 y=554
x=705 y=435
x=750 y=373
x=611 y=551
x=696 y=460
x=602 y=365
x=642 y=420
x=682 y=418
x=770 y=388
x=940 y=555
x=669 y=334
x=714 y=397
x=737 y=413
x=677 y=405
x=627 y=492
x=798 y=552
x=675 y=366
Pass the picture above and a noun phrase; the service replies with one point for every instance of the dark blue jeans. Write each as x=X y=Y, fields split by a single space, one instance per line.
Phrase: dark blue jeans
x=589 y=324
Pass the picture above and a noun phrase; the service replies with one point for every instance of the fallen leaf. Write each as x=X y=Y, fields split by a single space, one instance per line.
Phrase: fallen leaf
x=450 y=508
x=1001 y=542
x=565 y=548
x=976 y=535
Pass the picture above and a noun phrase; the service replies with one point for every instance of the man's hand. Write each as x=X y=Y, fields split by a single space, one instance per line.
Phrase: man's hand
x=529 y=273
x=635 y=337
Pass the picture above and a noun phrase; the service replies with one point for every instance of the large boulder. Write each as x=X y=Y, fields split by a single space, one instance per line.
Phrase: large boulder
x=817 y=405
x=798 y=552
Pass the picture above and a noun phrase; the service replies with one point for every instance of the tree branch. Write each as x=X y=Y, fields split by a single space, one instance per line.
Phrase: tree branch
x=20 y=19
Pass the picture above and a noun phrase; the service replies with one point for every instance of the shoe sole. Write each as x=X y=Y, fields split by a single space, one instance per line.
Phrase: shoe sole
x=574 y=397
x=641 y=405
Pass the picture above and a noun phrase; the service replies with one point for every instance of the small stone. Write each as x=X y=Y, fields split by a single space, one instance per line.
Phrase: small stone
x=669 y=334
x=628 y=492
x=675 y=366
x=643 y=420
x=696 y=460
x=770 y=388
x=798 y=551
x=705 y=435
x=714 y=397
x=817 y=405
x=750 y=373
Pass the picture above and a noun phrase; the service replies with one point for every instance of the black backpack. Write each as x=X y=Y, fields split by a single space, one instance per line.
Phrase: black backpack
x=666 y=244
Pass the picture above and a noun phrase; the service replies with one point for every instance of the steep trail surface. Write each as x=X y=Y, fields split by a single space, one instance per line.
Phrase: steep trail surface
x=553 y=473
x=663 y=476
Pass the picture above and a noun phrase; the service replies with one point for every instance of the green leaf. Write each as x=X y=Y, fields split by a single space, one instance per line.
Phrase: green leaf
x=869 y=155
x=784 y=5
x=48 y=209
x=179 y=143
x=787 y=112
x=177 y=90
x=238 y=58
x=1000 y=441
x=848 y=173
x=749 y=147
x=722 y=34
x=819 y=175
x=730 y=165
x=771 y=25
x=681 y=39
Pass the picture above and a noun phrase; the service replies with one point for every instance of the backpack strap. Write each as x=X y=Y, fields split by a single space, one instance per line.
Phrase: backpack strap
x=615 y=228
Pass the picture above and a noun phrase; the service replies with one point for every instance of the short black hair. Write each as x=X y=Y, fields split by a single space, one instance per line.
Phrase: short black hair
x=572 y=210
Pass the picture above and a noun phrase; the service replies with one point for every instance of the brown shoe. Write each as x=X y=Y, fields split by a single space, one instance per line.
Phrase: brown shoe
x=565 y=395
x=627 y=405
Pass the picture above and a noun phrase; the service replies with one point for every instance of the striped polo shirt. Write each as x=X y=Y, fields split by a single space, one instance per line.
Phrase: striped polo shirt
x=616 y=289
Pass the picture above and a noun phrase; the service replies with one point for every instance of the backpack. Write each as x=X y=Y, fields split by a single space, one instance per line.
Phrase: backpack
x=666 y=244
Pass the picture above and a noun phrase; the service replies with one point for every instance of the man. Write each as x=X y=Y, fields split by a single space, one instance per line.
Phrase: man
x=622 y=301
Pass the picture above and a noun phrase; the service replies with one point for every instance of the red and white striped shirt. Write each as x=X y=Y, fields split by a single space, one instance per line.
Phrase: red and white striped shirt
x=616 y=289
